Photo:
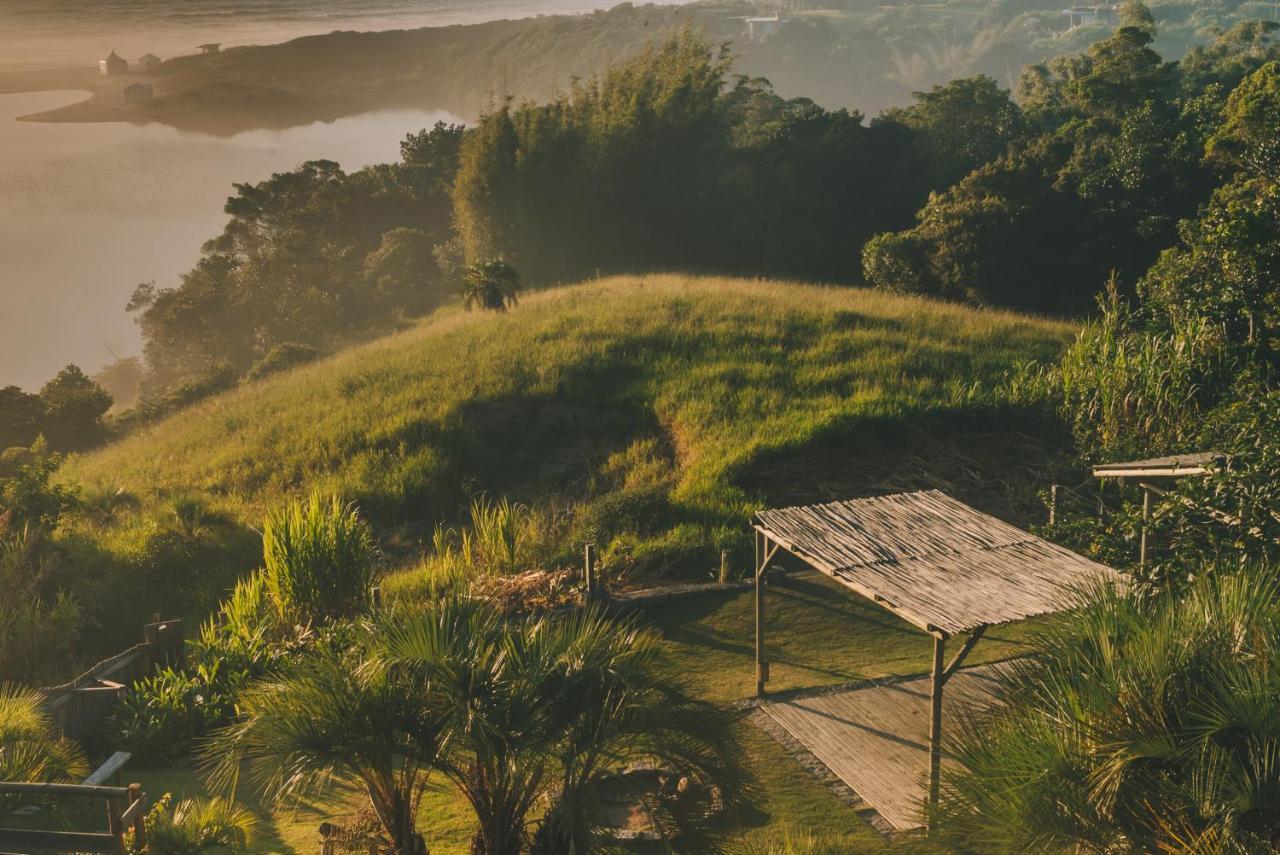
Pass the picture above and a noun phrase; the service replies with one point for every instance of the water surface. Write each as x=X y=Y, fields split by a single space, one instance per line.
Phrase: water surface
x=87 y=211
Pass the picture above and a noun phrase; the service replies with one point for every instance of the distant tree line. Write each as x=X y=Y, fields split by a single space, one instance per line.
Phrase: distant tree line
x=1029 y=199
x=67 y=412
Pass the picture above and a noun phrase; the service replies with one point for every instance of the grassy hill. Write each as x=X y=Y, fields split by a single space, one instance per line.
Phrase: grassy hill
x=650 y=415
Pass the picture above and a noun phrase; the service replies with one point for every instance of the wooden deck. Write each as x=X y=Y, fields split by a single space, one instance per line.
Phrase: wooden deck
x=875 y=738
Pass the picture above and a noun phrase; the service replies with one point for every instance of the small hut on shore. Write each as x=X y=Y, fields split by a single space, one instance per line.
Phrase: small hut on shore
x=211 y=47
x=148 y=61
x=113 y=64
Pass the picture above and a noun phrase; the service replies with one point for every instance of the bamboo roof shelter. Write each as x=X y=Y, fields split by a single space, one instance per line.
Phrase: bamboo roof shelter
x=933 y=561
x=1169 y=466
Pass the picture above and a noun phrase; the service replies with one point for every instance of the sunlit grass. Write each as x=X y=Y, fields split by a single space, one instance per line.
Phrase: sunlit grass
x=654 y=401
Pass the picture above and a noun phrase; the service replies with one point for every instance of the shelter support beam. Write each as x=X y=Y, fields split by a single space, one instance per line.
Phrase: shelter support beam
x=1146 y=521
x=939 y=674
x=764 y=554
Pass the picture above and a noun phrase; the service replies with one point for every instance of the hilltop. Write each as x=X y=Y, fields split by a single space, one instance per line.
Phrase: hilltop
x=650 y=414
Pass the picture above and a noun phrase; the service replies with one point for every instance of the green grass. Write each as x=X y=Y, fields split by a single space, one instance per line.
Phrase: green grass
x=817 y=634
x=660 y=410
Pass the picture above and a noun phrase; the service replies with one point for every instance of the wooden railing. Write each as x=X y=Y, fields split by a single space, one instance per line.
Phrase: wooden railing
x=126 y=809
x=81 y=707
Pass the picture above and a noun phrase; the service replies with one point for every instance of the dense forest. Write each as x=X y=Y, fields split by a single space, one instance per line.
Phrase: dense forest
x=1029 y=199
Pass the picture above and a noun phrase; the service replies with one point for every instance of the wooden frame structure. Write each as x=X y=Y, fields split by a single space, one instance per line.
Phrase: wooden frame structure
x=932 y=561
x=1170 y=466
x=126 y=810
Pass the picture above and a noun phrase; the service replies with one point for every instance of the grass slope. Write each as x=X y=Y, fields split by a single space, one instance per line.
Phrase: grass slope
x=660 y=410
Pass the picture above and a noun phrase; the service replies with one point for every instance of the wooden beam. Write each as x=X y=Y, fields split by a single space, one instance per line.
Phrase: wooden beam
x=44 y=789
x=964 y=650
x=935 y=724
x=109 y=769
x=1146 y=520
x=762 y=663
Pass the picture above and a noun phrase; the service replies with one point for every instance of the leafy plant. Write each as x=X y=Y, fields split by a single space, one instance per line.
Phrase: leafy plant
x=194 y=825
x=31 y=750
x=162 y=716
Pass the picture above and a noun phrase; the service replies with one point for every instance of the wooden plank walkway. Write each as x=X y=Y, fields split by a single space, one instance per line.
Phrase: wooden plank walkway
x=875 y=738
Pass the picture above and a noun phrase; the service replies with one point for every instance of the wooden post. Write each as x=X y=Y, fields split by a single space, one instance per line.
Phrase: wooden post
x=1102 y=483
x=724 y=565
x=589 y=570
x=762 y=666
x=1053 y=504
x=115 y=827
x=139 y=818
x=935 y=723
x=328 y=831
x=1146 y=516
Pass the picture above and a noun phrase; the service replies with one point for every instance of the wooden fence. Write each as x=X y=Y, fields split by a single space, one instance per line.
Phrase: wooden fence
x=126 y=811
x=81 y=707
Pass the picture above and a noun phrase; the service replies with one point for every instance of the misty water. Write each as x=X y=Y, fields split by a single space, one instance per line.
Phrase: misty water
x=87 y=211
x=50 y=33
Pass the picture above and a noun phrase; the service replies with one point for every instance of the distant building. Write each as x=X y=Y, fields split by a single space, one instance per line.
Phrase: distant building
x=760 y=28
x=113 y=64
x=148 y=61
x=1087 y=16
x=138 y=93
x=211 y=47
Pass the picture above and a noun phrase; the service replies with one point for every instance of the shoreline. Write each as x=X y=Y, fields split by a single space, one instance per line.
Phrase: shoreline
x=456 y=68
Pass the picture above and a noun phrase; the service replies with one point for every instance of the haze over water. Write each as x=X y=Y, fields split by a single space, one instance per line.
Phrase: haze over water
x=87 y=211
x=60 y=33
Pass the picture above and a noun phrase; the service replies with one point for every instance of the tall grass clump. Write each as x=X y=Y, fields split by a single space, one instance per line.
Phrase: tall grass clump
x=319 y=559
x=501 y=539
x=1140 y=725
x=1126 y=391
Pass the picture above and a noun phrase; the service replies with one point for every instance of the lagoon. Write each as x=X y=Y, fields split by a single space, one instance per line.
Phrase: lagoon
x=87 y=211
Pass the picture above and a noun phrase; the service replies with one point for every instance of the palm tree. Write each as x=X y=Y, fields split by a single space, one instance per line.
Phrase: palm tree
x=31 y=750
x=510 y=712
x=1142 y=725
x=491 y=284
x=342 y=721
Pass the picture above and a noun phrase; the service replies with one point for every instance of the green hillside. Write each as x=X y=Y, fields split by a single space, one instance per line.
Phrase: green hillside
x=647 y=414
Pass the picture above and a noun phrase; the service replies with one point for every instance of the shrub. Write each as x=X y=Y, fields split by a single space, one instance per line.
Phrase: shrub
x=1125 y=392
x=282 y=357
x=1139 y=725
x=194 y=825
x=319 y=560
x=38 y=632
x=161 y=716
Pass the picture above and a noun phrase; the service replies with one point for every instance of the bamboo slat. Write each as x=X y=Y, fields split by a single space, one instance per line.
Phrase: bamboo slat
x=935 y=561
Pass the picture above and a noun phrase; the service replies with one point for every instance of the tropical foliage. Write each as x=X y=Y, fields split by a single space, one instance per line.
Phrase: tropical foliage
x=509 y=713
x=1141 y=725
x=31 y=749
x=193 y=826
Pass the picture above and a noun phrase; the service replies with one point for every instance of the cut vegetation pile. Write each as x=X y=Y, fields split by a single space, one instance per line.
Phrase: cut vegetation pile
x=650 y=415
